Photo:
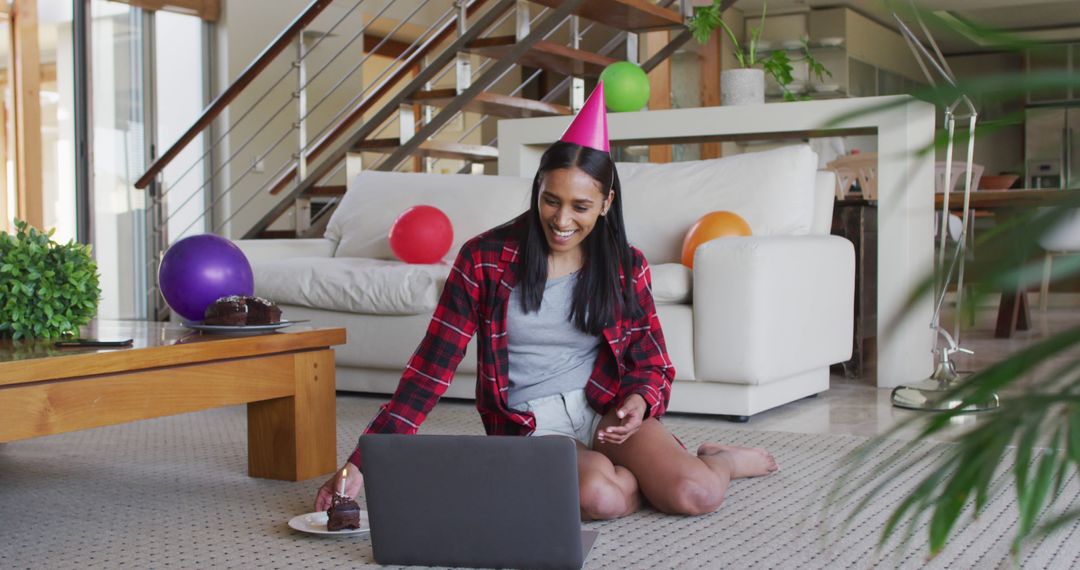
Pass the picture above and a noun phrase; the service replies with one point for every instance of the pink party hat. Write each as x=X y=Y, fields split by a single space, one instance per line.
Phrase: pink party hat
x=589 y=127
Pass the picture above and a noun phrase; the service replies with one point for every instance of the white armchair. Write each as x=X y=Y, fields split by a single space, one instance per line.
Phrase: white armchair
x=769 y=313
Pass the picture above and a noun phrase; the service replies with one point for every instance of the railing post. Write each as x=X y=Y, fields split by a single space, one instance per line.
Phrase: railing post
x=157 y=242
x=577 y=84
x=406 y=122
x=462 y=63
x=302 y=206
x=522 y=23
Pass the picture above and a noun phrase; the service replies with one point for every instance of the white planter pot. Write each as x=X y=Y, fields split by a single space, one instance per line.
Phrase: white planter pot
x=742 y=87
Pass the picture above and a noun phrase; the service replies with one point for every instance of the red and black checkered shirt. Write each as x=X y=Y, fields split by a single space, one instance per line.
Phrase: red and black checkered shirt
x=474 y=301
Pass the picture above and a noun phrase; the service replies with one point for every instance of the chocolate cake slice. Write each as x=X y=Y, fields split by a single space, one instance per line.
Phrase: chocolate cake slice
x=262 y=311
x=343 y=514
x=239 y=310
x=226 y=311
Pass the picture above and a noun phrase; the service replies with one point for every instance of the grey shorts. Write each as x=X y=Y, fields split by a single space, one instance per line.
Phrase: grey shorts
x=567 y=414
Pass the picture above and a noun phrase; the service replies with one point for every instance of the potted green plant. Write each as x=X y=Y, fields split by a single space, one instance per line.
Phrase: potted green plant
x=47 y=289
x=746 y=85
x=1029 y=448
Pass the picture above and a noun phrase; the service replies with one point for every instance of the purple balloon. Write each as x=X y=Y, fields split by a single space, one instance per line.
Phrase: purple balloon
x=198 y=270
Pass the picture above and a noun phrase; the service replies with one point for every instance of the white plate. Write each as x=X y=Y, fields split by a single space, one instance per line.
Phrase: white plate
x=827 y=87
x=831 y=42
x=791 y=44
x=315 y=523
x=238 y=329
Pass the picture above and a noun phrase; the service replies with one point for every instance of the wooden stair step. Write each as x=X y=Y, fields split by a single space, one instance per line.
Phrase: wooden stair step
x=277 y=234
x=435 y=149
x=493 y=104
x=335 y=191
x=545 y=55
x=626 y=15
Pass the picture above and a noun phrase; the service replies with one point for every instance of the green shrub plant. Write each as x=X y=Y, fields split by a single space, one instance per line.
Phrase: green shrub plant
x=47 y=289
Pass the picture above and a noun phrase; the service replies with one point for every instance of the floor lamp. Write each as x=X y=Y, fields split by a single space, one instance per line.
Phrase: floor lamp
x=932 y=393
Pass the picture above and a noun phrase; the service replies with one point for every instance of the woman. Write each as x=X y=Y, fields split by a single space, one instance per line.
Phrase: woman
x=569 y=344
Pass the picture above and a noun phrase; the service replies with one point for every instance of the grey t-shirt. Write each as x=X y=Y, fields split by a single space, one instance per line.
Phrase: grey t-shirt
x=548 y=354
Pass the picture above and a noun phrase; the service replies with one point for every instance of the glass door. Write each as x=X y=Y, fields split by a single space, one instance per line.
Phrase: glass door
x=118 y=128
x=148 y=86
x=57 y=117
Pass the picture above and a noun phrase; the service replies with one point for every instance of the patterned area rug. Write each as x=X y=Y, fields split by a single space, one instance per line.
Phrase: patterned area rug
x=173 y=493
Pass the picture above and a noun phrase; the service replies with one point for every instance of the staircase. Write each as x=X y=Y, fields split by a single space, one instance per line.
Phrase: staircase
x=440 y=83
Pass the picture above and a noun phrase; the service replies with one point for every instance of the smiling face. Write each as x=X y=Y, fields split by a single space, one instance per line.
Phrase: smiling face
x=570 y=202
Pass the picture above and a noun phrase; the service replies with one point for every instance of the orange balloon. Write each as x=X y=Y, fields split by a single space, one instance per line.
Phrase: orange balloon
x=709 y=227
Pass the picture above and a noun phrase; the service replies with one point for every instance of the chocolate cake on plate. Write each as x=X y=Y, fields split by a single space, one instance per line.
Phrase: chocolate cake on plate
x=240 y=310
x=343 y=513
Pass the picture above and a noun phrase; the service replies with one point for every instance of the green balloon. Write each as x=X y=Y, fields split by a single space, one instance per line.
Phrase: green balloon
x=626 y=87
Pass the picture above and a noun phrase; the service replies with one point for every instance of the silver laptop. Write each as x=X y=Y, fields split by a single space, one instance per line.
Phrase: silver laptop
x=487 y=501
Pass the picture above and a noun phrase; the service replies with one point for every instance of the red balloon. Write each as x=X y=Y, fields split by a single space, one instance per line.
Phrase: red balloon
x=421 y=234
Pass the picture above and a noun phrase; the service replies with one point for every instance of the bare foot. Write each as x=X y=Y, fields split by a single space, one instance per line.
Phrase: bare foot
x=745 y=461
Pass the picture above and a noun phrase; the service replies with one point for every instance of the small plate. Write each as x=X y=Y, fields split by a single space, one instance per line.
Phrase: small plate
x=791 y=44
x=834 y=41
x=315 y=523
x=826 y=87
x=238 y=329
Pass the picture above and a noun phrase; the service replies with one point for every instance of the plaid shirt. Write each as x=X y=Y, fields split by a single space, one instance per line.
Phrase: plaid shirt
x=474 y=301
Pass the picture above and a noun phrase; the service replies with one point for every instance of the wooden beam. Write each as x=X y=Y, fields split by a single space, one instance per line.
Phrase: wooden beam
x=24 y=76
x=209 y=10
x=5 y=155
x=659 y=88
x=48 y=75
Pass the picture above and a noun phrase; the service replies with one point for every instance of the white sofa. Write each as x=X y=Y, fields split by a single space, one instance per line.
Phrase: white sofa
x=754 y=325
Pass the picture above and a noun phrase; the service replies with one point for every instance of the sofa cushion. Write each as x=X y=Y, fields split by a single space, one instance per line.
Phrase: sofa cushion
x=358 y=285
x=672 y=283
x=374 y=200
x=772 y=190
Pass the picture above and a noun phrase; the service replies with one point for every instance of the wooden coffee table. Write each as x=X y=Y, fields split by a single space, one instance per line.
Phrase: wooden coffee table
x=286 y=378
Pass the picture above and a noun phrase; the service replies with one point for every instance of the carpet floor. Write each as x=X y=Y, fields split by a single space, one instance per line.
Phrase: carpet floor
x=173 y=493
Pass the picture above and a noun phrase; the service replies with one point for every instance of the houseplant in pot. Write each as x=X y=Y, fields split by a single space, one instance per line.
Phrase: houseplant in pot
x=47 y=289
x=746 y=84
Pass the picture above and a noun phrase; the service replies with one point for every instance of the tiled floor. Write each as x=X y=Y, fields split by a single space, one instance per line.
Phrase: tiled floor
x=858 y=407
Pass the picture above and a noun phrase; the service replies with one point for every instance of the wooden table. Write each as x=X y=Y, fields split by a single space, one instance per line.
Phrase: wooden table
x=285 y=378
x=1013 y=311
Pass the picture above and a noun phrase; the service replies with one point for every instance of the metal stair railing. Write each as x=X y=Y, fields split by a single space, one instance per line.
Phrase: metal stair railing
x=331 y=160
x=299 y=158
x=389 y=109
x=319 y=222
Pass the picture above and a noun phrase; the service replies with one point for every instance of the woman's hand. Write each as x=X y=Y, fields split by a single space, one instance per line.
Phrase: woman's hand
x=354 y=481
x=631 y=413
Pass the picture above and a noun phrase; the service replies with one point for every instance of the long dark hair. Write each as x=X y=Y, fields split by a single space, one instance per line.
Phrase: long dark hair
x=598 y=294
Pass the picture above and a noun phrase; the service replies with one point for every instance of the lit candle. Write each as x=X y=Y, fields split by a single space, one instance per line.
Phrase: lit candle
x=342 y=490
